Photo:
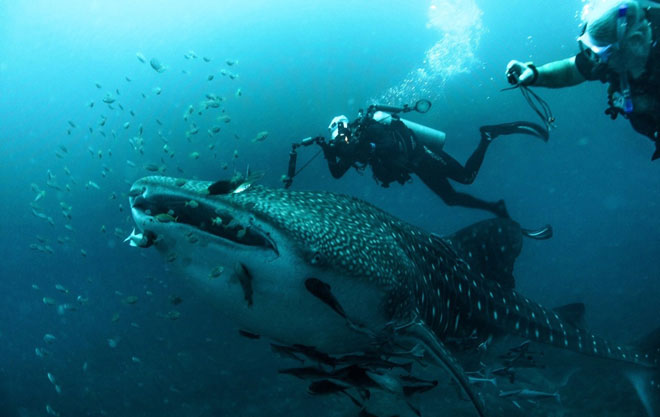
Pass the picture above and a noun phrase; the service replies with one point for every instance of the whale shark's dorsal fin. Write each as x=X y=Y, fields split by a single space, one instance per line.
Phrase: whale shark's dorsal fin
x=490 y=247
x=572 y=313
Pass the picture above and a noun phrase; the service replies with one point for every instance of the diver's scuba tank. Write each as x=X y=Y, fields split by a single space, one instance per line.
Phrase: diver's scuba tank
x=433 y=139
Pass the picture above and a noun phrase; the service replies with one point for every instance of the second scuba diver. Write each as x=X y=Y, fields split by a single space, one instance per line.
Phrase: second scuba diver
x=395 y=148
x=618 y=46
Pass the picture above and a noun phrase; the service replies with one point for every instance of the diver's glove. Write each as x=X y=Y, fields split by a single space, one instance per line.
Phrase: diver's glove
x=521 y=73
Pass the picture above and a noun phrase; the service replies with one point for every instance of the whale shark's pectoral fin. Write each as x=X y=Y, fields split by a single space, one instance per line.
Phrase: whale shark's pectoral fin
x=419 y=334
x=646 y=380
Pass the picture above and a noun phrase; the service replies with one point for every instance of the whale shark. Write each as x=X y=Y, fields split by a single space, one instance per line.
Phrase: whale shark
x=337 y=274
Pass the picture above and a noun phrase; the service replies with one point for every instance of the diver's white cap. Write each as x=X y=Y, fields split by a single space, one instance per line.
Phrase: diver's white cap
x=334 y=125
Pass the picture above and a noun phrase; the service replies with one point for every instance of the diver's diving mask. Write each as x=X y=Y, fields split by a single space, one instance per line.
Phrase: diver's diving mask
x=600 y=54
x=596 y=54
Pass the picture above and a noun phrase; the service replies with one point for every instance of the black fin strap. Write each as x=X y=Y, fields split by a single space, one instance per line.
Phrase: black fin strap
x=542 y=233
x=656 y=154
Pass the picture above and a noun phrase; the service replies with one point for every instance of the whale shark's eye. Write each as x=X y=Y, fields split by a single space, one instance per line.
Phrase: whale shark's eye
x=316 y=259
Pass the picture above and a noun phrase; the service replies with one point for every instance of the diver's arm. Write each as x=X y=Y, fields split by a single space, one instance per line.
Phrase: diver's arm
x=338 y=166
x=556 y=74
x=559 y=74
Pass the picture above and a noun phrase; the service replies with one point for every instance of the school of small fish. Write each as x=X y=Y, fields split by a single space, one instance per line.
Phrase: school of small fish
x=119 y=116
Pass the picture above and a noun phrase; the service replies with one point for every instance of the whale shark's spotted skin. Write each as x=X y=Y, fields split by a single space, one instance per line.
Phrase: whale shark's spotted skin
x=438 y=280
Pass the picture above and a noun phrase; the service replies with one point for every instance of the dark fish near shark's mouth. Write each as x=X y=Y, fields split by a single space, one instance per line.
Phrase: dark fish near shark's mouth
x=202 y=216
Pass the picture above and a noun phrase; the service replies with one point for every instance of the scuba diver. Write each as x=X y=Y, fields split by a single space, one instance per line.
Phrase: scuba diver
x=618 y=46
x=395 y=148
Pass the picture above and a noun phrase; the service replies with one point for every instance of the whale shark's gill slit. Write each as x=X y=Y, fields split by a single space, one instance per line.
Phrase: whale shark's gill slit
x=206 y=218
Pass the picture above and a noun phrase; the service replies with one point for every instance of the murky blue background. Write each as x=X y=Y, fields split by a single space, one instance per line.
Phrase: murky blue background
x=298 y=64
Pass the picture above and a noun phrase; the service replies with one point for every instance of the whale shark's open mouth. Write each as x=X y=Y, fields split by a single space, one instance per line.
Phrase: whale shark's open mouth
x=203 y=216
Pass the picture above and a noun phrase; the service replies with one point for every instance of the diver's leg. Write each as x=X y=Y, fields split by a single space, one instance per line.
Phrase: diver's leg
x=475 y=160
x=445 y=165
x=451 y=197
x=488 y=133
x=467 y=174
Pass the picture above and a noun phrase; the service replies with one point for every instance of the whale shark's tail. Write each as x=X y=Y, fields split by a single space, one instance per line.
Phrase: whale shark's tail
x=647 y=381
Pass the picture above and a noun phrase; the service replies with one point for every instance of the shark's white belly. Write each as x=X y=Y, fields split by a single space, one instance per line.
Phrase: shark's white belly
x=281 y=307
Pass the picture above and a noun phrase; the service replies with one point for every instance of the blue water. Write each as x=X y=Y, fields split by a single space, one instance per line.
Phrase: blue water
x=298 y=64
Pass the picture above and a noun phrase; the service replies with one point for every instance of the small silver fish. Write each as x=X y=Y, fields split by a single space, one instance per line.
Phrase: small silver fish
x=51 y=412
x=529 y=394
x=477 y=380
x=261 y=136
x=156 y=65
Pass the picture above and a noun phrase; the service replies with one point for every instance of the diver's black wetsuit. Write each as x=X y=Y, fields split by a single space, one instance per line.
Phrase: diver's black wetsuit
x=394 y=154
x=645 y=90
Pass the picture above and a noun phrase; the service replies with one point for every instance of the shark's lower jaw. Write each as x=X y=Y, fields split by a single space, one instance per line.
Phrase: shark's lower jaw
x=252 y=271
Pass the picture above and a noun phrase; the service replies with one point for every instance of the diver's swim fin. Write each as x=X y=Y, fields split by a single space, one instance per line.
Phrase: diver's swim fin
x=490 y=132
x=542 y=233
x=656 y=154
